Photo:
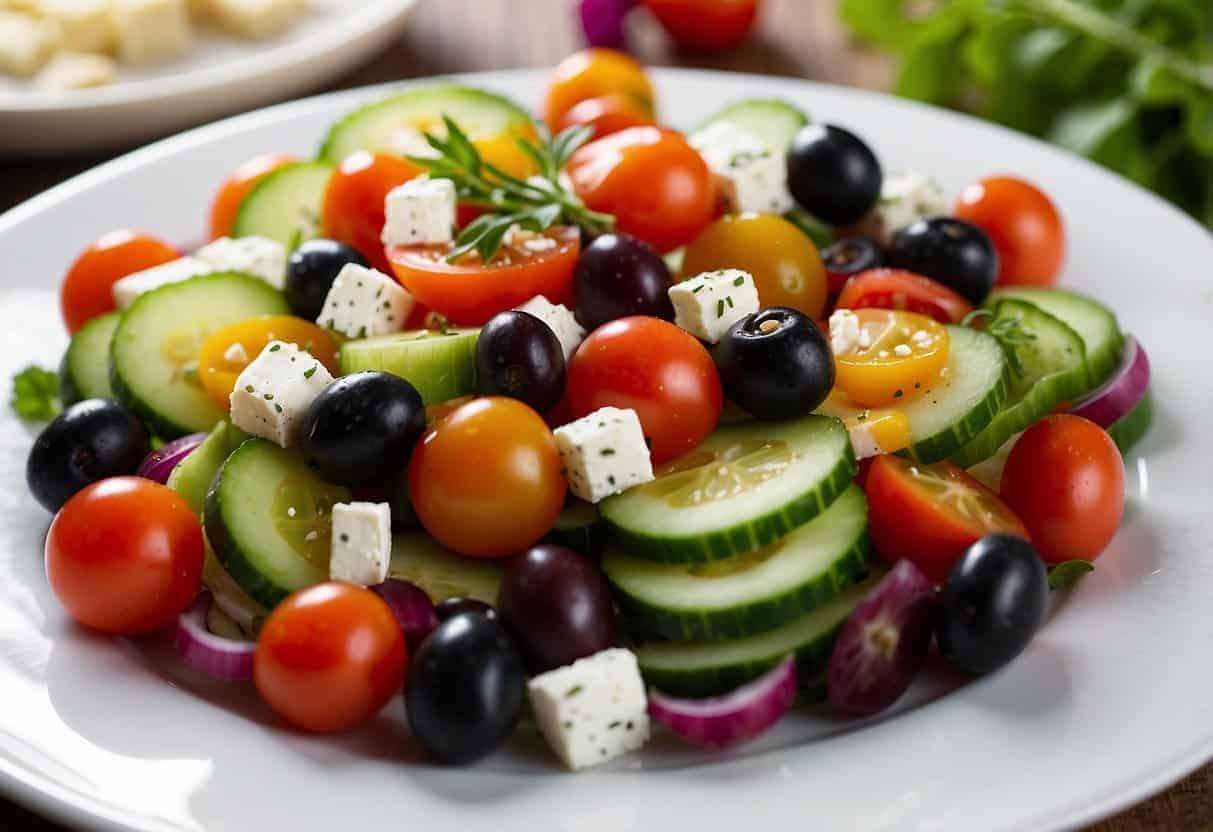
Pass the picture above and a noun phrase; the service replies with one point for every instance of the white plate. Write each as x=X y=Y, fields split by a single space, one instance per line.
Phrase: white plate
x=1108 y=705
x=221 y=75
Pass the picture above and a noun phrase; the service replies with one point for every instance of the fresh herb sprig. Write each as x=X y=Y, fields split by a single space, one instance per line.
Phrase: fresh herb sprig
x=1009 y=333
x=533 y=204
x=35 y=396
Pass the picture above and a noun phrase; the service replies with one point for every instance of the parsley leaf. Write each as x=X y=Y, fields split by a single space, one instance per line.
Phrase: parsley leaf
x=36 y=394
x=1065 y=575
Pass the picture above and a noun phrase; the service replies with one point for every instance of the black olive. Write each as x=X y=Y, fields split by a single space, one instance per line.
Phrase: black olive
x=953 y=252
x=833 y=174
x=618 y=276
x=848 y=257
x=310 y=273
x=519 y=356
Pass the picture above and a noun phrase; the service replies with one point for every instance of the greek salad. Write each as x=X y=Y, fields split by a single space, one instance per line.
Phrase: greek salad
x=583 y=424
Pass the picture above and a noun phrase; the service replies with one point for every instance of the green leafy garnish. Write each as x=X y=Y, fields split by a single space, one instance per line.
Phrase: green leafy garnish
x=534 y=204
x=36 y=394
x=1064 y=575
x=1009 y=333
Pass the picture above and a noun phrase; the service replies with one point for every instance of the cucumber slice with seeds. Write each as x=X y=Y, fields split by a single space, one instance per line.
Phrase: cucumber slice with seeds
x=745 y=487
x=421 y=560
x=772 y=121
x=750 y=593
x=440 y=364
x=286 y=205
x=84 y=373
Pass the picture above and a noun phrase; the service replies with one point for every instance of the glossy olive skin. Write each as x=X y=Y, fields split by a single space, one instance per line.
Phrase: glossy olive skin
x=452 y=607
x=362 y=428
x=775 y=364
x=850 y=256
x=956 y=253
x=557 y=603
x=519 y=356
x=833 y=174
x=92 y=440
x=992 y=603
x=619 y=276
x=310 y=273
x=465 y=689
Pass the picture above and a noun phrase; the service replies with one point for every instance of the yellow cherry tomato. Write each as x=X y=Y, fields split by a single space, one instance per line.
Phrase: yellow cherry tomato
x=892 y=356
x=786 y=266
x=226 y=353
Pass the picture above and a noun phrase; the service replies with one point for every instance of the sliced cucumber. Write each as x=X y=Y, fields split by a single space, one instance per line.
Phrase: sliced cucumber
x=478 y=113
x=193 y=476
x=1054 y=370
x=157 y=341
x=579 y=527
x=772 y=121
x=440 y=364
x=286 y=205
x=1093 y=322
x=745 y=487
x=707 y=668
x=269 y=518
x=1130 y=428
x=84 y=373
x=419 y=559
x=751 y=593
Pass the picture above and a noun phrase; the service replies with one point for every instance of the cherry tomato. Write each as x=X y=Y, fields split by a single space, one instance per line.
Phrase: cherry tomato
x=330 y=657
x=1066 y=479
x=657 y=186
x=353 y=202
x=897 y=355
x=124 y=556
x=931 y=513
x=786 y=266
x=237 y=186
x=656 y=369
x=899 y=289
x=226 y=353
x=591 y=73
x=607 y=114
x=87 y=288
x=468 y=292
x=1023 y=224
x=706 y=25
x=485 y=479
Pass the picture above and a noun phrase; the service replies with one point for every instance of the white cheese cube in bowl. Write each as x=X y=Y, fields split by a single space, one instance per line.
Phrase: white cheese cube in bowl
x=84 y=25
x=26 y=43
x=255 y=18
x=749 y=176
x=604 y=453
x=364 y=302
x=905 y=198
x=151 y=30
x=708 y=304
x=560 y=319
x=258 y=256
x=362 y=543
x=133 y=285
x=76 y=71
x=421 y=211
x=274 y=391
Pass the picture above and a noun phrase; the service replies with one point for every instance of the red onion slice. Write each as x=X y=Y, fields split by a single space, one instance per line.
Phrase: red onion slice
x=724 y=721
x=161 y=462
x=412 y=607
x=602 y=21
x=1116 y=397
x=218 y=657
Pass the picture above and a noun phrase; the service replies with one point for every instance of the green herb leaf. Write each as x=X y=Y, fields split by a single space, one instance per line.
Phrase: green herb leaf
x=1064 y=575
x=36 y=394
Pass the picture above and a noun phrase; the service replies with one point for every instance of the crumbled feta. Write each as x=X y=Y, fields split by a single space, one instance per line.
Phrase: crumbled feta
x=236 y=354
x=258 y=256
x=864 y=441
x=604 y=453
x=364 y=302
x=902 y=351
x=708 y=304
x=255 y=18
x=561 y=320
x=362 y=543
x=151 y=30
x=592 y=710
x=133 y=285
x=845 y=333
x=749 y=176
x=905 y=198
x=274 y=391
x=421 y=210
x=76 y=71
x=26 y=43
x=84 y=25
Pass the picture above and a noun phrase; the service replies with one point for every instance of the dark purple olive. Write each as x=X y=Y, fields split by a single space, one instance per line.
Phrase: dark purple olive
x=883 y=644
x=833 y=174
x=848 y=257
x=452 y=607
x=412 y=607
x=519 y=356
x=618 y=276
x=956 y=253
x=558 y=605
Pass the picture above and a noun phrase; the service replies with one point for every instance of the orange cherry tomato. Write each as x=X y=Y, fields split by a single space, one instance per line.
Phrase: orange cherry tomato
x=786 y=266
x=657 y=186
x=897 y=355
x=237 y=186
x=353 y=202
x=591 y=73
x=468 y=292
x=931 y=513
x=1066 y=479
x=226 y=353
x=1023 y=224
x=606 y=114
x=330 y=657
x=87 y=289
x=899 y=289
x=124 y=556
x=485 y=479
x=706 y=25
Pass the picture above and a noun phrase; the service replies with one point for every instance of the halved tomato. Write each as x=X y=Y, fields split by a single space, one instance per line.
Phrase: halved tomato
x=906 y=291
x=226 y=353
x=896 y=355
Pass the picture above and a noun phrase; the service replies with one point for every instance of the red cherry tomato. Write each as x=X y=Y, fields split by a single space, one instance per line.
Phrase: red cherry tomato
x=706 y=25
x=898 y=289
x=330 y=657
x=1066 y=479
x=656 y=369
x=657 y=186
x=237 y=186
x=353 y=202
x=607 y=114
x=124 y=556
x=1024 y=226
x=592 y=73
x=87 y=289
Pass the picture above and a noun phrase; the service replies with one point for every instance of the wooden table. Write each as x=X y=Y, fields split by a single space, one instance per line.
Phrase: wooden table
x=798 y=38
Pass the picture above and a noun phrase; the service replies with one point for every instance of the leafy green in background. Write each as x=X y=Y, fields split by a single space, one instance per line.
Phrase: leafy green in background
x=1127 y=83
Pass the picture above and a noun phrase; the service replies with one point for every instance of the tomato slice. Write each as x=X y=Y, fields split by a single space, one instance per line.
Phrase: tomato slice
x=906 y=291
x=468 y=292
x=894 y=355
x=931 y=513
x=226 y=353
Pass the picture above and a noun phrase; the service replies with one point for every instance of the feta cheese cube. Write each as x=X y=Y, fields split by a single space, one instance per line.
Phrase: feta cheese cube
x=274 y=391
x=363 y=302
x=85 y=25
x=362 y=543
x=749 y=176
x=708 y=304
x=258 y=256
x=26 y=43
x=845 y=334
x=905 y=198
x=151 y=30
x=255 y=18
x=420 y=211
x=592 y=710
x=561 y=320
x=76 y=71
x=133 y=285
x=604 y=453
